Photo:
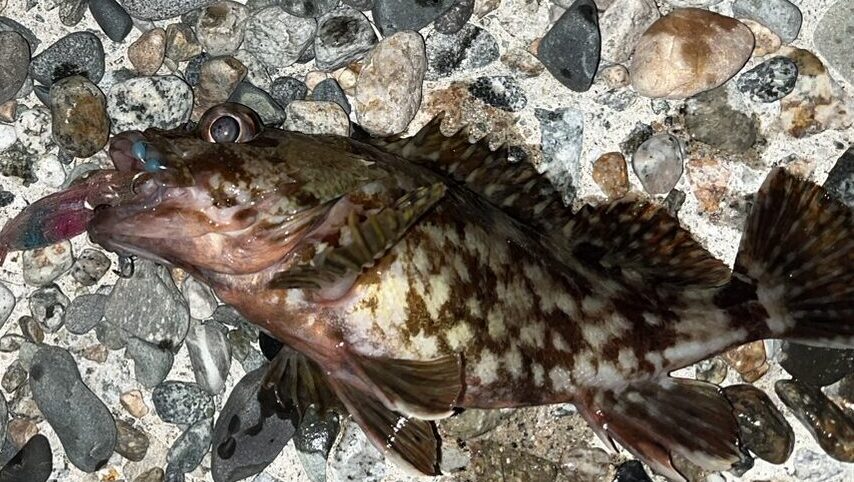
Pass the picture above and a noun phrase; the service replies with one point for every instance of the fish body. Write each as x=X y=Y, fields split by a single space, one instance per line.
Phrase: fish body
x=428 y=274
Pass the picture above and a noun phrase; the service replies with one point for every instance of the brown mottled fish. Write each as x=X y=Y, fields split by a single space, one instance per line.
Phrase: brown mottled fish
x=425 y=274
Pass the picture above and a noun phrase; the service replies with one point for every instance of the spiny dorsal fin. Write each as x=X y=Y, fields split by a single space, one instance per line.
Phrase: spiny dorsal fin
x=640 y=238
x=515 y=187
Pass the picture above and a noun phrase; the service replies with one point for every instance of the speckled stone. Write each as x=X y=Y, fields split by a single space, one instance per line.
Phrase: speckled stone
x=131 y=443
x=468 y=49
x=455 y=17
x=502 y=92
x=561 y=134
x=181 y=42
x=42 y=266
x=218 y=79
x=210 y=355
x=112 y=18
x=288 y=89
x=146 y=53
x=276 y=37
x=79 y=112
x=90 y=266
x=611 y=175
x=840 y=179
x=161 y=9
x=220 y=27
x=316 y=117
x=622 y=27
x=271 y=113
x=570 y=50
x=84 y=313
x=14 y=62
x=769 y=81
x=762 y=428
x=78 y=53
x=343 y=35
x=392 y=16
x=188 y=450
x=151 y=364
x=781 y=16
x=164 y=102
x=182 y=402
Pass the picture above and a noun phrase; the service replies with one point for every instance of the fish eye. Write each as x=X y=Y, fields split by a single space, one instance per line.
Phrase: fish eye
x=229 y=123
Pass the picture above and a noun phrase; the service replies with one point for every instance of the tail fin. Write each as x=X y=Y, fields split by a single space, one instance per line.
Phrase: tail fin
x=798 y=251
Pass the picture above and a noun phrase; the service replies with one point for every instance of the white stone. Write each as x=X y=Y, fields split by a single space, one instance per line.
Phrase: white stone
x=200 y=298
x=316 y=117
x=8 y=136
x=43 y=265
x=7 y=303
x=621 y=27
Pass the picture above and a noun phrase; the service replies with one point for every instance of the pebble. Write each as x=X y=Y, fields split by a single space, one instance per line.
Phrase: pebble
x=708 y=49
x=112 y=18
x=218 y=79
x=615 y=76
x=146 y=53
x=344 y=35
x=78 y=53
x=187 y=451
x=79 y=112
x=174 y=474
x=90 y=266
x=149 y=306
x=561 y=133
x=355 y=458
x=239 y=449
x=47 y=304
x=11 y=342
x=269 y=346
x=712 y=370
x=131 y=443
x=622 y=27
x=31 y=329
x=502 y=92
x=765 y=41
x=817 y=365
x=162 y=9
x=363 y=5
x=7 y=303
x=42 y=266
x=155 y=474
x=585 y=464
x=832 y=38
x=308 y=8
x=711 y=120
x=21 y=430
x=329 y=90
x=285 y=90
x=182 y=403
x=472 y=422
x=769 y=81
x=314 y=439
x=840 y=179
x=15 y=59
x=762 y=428
x=72 y=11
x=810 y=466
x=631 y=471
x=33 y=463
x=617 y=99
x=181 y=43
x=112 y=336
x=81 y=421
x=13 y=379
x=313 y=117
x=817 y=103
x=658 y=163
x=520 y=61
x=200 y=299
x=611 y=175
x=220 y=27
x=781 y=16
x=391 y=16
x=9 y=25
x=749 y=360
x=162 y=102
x=210 y=355
x=570 y=50
x=388 y=91
x=468 y=49
x=134 y=402
x=829 y=425
x=276 y=37
x=84 y=313
x=151 y=364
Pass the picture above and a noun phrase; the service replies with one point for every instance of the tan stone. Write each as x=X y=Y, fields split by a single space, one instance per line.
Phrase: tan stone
x=134 y=403
x=523 y=62
x=615 y=76
x=21 y=430
x=7 y=111
x=611 y=174
x=146 y=54
x=218 y=77
x=710 y=180
x=689 y=51
x=749 y=360
x=766 y=41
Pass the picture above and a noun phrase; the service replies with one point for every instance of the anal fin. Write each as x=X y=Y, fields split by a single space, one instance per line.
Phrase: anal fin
x=659 y=419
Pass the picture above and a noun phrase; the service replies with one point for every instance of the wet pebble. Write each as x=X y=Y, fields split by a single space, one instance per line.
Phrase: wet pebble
x=611 y=175
x=48 y=304
x=7 y=303
x=181 y=43
x=781 y=16
x=200 y=299
x=112 y=18
x=314 y=439
x=162 y=9
x=329 y=90
x=829 y=425
x=81 y=421
x=84 y=313
x=218 y=79
x=182 y=403
x=238 y=449
x=31 y=329
x=264 y=36
x=817 y=103
x=712 y=370
x=748 y=360
x=468 y=49
x=151 y=364
x=14 y=378
x=817 y=365
x=134 y=402
x=146 y=53
x=33 y=463
x=762 y=428
x=658 y=163
x=631 y=471
x=585 y=464
x=455 y=17
x=78 y=53
x=561 y=133
x=15 y=59
x=90 y=266
x=388 y=90
x=288 y=89
x=472 y=422
x=833 y=38
x=79 y=112
x=769 y=81
x=210 y=355
x=570 y=50
x=163 y=102
x=187 y=451
x=393 y=16
x=622 y=27
x=131 y=443
x=149 y=306
x=840 y=179
x=712 y=48
x=220 y=27
x=502 y=92
x=615 y=76
x=42 y=266
x=711 y=120
x=344 y=35
x=313 y=117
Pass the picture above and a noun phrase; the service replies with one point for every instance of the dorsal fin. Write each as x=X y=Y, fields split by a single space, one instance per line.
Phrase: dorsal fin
x=514 y=187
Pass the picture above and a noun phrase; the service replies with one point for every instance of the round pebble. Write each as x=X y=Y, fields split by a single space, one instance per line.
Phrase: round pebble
x=7 y=303
x=78 y=53
x=79 y=112
x=33 y=463
x=622 y=27
x=9 y=25
x=687 y=52
x=90 y=266
x=147 y=52
x=392 y=16
x=188 y=450
x=151 y=364
x=163 y=102
x=220 y=27
x=344 y=35
x=285 y=90
x=181 y=43
x=48 y=304
x=502 y=92
x=134 y=403
x=131 y=443
x=711 y=120
x=762 y=428
x=468 y=49
x=781 y=16
x=182 y=402
x=162 y=9
x=329 y=90
x=749 y=360
x=611 y=174
x=112 y=18
x=570 y=50
x=658 y=163
x=14 y=62
x=43 y=265
x=388 y=91
x=84 y=313
x=313 y=117
x=71 y=11
x=769 y=81
x=308 y=8
x=833 y=38
x=276 y=37
x=271 y=113
x=31 y=329
x=210 y=355
x=218 y=79
x=455 y=17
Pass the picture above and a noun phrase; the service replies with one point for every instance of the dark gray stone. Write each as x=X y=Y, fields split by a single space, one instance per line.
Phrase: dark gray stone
x=71 y=11
x=818 y=366
x=162 y=9
x=769 y=81
x=570 y=50
x=82 y=422
x=112 y=18
x=271 y=113
x=182 y=402
x=840 y=179
x=314 y=439
x=344 y=35
x=329 y=90
x=711 y=120
x=9 y=25
x=84 y=313
x=193 y=69
x=78 y=53
x=288 y=89
x=188 y=450
x=14 y=62
x=781 y=16
x=468 y=49
x=762 y=429
x=455 y=17
x=151 y=364
x=501 y=91
x=163 y=102
x=131 y=443
x=631 y=471
x=308 y=8
x=210 y=355
x=33 y=463
x=392 y=16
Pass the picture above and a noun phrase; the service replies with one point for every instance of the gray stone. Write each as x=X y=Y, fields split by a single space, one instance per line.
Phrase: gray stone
x=220 y=27
x=82 y=422
x=276 y=37
x=7 y=303
x=110 y=335
x=308 y=8
x=769 y=81
x=468 y=49
x=149 y=306
x=71 y=11
x=151 y=364
x=200 y=299
x=4 y=415
x=355 y=458
x=31 y=329
x=622 y=27
x=392 y=16
x=162 y=9
x=288 y=89
x=90 y=266
x=781 y=16
x=163 y=102
x=500 y=91
x=344 y=35
x=131 y=443
x=14 y=377
x=84 y=313
x=9 y=25
x=271 y=113
x=182 y=402
x=112 y=18
x=570 y=50
x=818 y=366
x=316 y=117
x=455 y=17
x=48 y=304
x=14 y=62
x=472 y=422
x=210 y=355
x=329 y=90
x=762 y=428
x=710 y=119
x=658 y=163
x=11 y=342
x=78 y=53
x=561 y=134
x=833 y=35
x=187 y=451
x=314 y=439
x=840 y=179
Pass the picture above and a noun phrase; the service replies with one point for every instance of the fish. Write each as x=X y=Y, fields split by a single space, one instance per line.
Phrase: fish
x=413 y=277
